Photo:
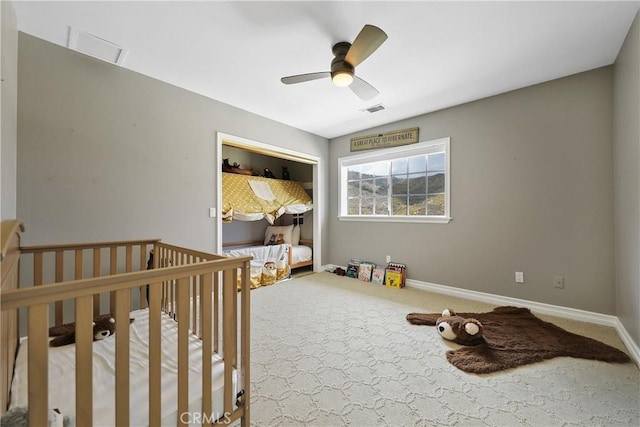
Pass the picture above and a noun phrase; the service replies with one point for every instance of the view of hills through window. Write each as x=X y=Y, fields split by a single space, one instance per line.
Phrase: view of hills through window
x=408 y=186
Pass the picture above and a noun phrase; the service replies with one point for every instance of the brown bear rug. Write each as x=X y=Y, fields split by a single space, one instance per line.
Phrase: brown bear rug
x=514 y=337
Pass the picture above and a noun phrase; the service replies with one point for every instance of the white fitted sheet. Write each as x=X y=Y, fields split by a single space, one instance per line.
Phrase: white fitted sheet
x=301 y=253
x=62 y=376
x=260 y=253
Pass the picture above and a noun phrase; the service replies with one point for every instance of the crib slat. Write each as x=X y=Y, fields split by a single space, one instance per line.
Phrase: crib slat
x=200 y=308
x=205 y=330
x=122 y=302
x=155 y=402
x=216 y=311
x=183 y=343
x=37 y=269
x=129 y=266
x=38 y=360
x=96 y=273
x=84 y=361
x=194 y=299
x=143 y=265
x=228 y=289
x=78 y=264
x=234 y=318
x=113 y=269
x=245 y=346
x=129 y=258
x=59 y=278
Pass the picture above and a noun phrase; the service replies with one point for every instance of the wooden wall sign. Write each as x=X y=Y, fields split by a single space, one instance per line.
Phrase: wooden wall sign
x=385 y=140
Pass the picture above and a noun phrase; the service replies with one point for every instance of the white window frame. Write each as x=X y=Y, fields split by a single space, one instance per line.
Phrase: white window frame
x=421 y=148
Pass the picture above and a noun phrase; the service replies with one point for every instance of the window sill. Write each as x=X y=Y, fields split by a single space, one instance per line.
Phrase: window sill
x=408 y=219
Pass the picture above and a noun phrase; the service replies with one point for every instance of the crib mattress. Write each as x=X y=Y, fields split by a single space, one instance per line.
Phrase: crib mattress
x=62 y=376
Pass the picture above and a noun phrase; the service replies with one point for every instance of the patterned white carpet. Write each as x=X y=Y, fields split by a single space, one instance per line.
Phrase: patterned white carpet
x=334 y=351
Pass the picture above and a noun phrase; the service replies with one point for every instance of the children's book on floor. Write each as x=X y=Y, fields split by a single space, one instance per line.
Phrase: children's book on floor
x=377 y=275
x=353 y=267
x=395 y=275
x=364 y=273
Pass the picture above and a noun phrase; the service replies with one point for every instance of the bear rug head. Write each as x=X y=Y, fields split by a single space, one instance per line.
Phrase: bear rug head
x=508 y=337
x=103 y=326
x=458 y=329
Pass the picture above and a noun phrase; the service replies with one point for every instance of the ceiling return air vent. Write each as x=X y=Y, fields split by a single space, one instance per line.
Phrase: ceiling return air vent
x=96 y=47
x=374 y=109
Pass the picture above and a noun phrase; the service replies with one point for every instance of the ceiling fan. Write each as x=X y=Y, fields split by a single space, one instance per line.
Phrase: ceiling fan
x=347 y=57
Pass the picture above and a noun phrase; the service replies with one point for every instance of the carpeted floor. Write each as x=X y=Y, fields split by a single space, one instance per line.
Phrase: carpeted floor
x=333 y=351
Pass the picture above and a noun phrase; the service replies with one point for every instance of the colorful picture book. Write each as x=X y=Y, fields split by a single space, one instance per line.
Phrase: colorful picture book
x=364 y=273
x=377 y=275
x=395 y=275
x=353 y=268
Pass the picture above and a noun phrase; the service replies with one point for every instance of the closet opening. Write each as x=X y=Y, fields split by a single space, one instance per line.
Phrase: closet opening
x=267 y=204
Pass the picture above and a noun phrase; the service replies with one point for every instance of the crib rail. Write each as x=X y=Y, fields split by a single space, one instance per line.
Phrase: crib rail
x=75 y=261
x=187 y=285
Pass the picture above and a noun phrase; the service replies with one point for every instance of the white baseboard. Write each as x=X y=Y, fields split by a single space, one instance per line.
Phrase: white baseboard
x=551 y=310
x=628 y=341
x=328 y=267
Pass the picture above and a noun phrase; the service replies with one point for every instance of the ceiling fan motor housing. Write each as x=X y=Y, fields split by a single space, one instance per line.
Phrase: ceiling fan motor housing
x=339 y=65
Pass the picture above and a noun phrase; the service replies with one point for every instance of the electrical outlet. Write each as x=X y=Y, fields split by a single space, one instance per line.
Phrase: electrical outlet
x=558 y=282
x=388 y=258
x=212 y=212
x=519 y=277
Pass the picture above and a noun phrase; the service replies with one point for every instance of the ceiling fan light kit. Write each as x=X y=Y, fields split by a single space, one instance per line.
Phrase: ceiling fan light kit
x=342 y=78
x=346 y=57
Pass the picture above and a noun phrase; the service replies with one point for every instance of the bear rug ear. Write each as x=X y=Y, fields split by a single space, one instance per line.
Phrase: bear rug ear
x=423 y=318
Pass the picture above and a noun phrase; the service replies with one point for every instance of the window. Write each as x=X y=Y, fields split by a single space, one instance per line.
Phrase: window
x=404 y=184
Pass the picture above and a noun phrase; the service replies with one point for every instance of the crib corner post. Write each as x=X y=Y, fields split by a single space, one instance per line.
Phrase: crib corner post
x=245 y=305
x=38 y=362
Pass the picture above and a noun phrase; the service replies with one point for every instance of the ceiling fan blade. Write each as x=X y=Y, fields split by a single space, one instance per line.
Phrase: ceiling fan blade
x=304 y=77
x=363 y=89
x=367 y=41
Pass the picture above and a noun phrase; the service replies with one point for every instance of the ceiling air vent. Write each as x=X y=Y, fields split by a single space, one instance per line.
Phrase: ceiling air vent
x=97 y=47
x=374 y=109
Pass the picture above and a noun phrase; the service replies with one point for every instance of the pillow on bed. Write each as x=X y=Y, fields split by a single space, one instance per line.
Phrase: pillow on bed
x=276 y=235
x=295 y=236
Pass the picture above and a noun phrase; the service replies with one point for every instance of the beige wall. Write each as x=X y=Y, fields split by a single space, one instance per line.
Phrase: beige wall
x=626 y=157
x=106 y=153
x=531 y=191
x=9 y=96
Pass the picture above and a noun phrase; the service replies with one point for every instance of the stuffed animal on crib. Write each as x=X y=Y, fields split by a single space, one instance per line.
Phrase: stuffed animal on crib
x=452 y=327
x=103 y=327
x=19 y=417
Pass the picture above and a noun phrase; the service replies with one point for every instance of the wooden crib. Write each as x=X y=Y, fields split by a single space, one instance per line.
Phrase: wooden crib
x=191 y=294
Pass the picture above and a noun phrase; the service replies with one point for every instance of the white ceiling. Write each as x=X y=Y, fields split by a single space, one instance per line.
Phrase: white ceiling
x=438 y=54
